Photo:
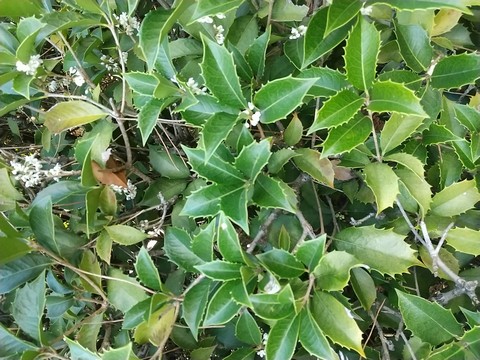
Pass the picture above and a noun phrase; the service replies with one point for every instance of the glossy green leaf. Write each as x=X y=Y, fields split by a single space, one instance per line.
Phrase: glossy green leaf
x=272 y=193
x=311 y=162
x=212 y=7
x=273 y=306
x=397 y=129
x=11 y=344
x=338 y=110
x=340 y=12
x=347 y=136
x=421 y=316
x=317 y=41
x=142 y=83
x=294 y=131
x=414 y=44
x=382 y=250
x=336 y=322
x=121 y=353
x=66 y=115
x=89 y=263
x=78 y=352
x=418 y=188
x=220 y=76
x=387 y=96
x=247 y=330
x=282 y=338
x=455 y=199
x=169 y=165
x=194 y=305
x=312 y=338
x=278 y=98
x=202 y=242
x=148 y=116
x=220 y=270
x=123 y=291
x=147 y=271
x=222 y=307
x=12 y=248
x=125 y=235
x=227 y=240
x=311 y=251
x=242 y=354
x=256 y=53
x=333 y=270
x=279 y=159
x=88 y=334
x=21 y=270
x=215 y=130
x=409 y=161
x=465 y=240
x=381 y=179
x=467 y=346
x=253 y=158
x=329 y=81
x=364 y=287
x=437 y=134
x=157 y=328
x=281 y=263
x=424 y=4
x=179 y=251
x=468 y=116
x=456 y=70
x=409 y=78
x=28 y=307
x=285 y=10
x=361 y=51
x=464 y=151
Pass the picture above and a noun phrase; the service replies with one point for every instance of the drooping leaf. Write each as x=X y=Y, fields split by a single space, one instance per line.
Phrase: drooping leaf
x=421 y=316
x=272 y=193
x=202 y=242
x=222 y=307
x=455 y=199
x=280 y=97
x=414 y=45
x=381 y=179
x=382 y=250
x=66 y=115
x=397 y=129
x=281 y=263
x=347 y=136
x=329 y=81
x=336 y=322
x=311 y=162
x=418 y=187
x=256 y=53
x=312 y=337
x=178 y=249
x=147 y=271
x=194 y=305
x=282 y=338
x=456 y=70
x=220 y=76
x=157 y=328
x=11 y=344
x=333 y=270
x=387 y=96
x=364 y=287
x=247 y=329
x=361 y=53
x=215 y=130
x=220 y=270
x=125 y=235
x=337 y=110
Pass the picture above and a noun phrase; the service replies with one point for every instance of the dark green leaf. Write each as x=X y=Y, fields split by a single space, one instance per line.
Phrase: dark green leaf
x=212 y=7
x=310 y=252
x=78 y=352
x=456 y=70
x=312 y=337
x=333 y=271
x=123 y=291
x=273 y=193
x=340 y=12
x=21 y=270
x=364 y=287
x=468 y=116
x=169 y=165
x=311 y=162
x=414 y=46
x=381 y=179
x=256 y=53
x=148 y=116
x=247 y=330
x=282 y=338
x=142 y=83
x=215 y=130
x=222 y=307
x=179 y=251
x=329 y=81
x=227 y=240
x=220 y=270
x=202 y=243
x=437 y=134
x=12 y=345
x=194 y=305
x=147 y=271
x=253 y=158
x=281 y=263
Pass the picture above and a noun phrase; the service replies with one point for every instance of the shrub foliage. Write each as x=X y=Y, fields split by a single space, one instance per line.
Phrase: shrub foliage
x=239 y=179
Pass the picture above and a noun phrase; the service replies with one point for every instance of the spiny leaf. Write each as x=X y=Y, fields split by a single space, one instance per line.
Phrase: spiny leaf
x=382 y=180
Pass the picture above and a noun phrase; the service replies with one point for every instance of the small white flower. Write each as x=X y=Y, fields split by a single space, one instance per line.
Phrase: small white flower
x=129 y=24
x=265 y=338
x=223 y=226
x=55 y=172
x=328 y=2
x=131 y=191
x=205 y=20
x=250 y=106
x=366 y=10
x=255 y=118
x=106 y=155
x=32 y=66
x=52 y=86
x=219 y=37
x=220 y=16
x=76 y=76
x=297 y=33
x=193 y=85
x=156 y=232
x=261 y=353
x=151 y=244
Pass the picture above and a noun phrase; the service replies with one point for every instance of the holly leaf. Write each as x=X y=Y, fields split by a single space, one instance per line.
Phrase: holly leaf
x=455 y=71
x=383 y=181
x=455 y=199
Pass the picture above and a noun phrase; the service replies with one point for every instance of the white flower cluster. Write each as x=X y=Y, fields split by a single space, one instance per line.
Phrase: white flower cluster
x=32 y=66
x=218 y=29
x=253 y=116
x=130 y=191
x=261 y=352
x=76 y=76
x=193 y=85
x=128 y=24
x=109 y=63
x=30 y=171
x=366 y=10
x=297 y=33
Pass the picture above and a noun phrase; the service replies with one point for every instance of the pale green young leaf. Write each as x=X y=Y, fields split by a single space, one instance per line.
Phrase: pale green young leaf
x=78 y=352
x=220 y=76
x=28 y=307
x=215 y=130
x=247 y=329
x=146 y=270
x=123 y=291
x=387 y=96
x=212 y=7
x=361 y=51
x=310 y=161
x=465 y=240
x=278 y=98
x=397 y=129
x=220 y=270
x=227 y=240
x=409 y=161
x=8 y=194
x=468 y=116
x=381 y=179
x=335 y=321
x=438 y=134
x=284 y=10
x=125 y=235
x=157 y=327
x=337 y=110
x=90 y=264
x=12 y=248
x=21 y=84
x=364 y=287
x=414 y=44
x=272 y=193
x=421 y=316
x=340 y=12
x=272 y=306
x=294 y=131
x=317 y=42
x=279 y=159
x=455 y=199
x=142 y=83
x=253 y=158
x=282 y=338
x=382 y=250
x=281 y=263
x=243 y=68
x=194 y=305
x=312 y=338
x=446 y=256
x=178 y=249
x=424 y=4
x=333 y=270
x=256 y=53
x=418 y=188
x=222 y=307
x=66 y=115
x=88 y=334
x=347 y=136
x=455 y=71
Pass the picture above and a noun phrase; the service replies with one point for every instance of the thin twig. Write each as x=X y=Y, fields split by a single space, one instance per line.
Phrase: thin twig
x=263 y=230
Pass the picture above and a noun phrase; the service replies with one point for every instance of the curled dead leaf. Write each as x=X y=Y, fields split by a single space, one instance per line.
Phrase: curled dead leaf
x=109 y=176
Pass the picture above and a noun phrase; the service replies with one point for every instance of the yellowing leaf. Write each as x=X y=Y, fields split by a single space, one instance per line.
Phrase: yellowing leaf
x=384 y=183
x=66 y=115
